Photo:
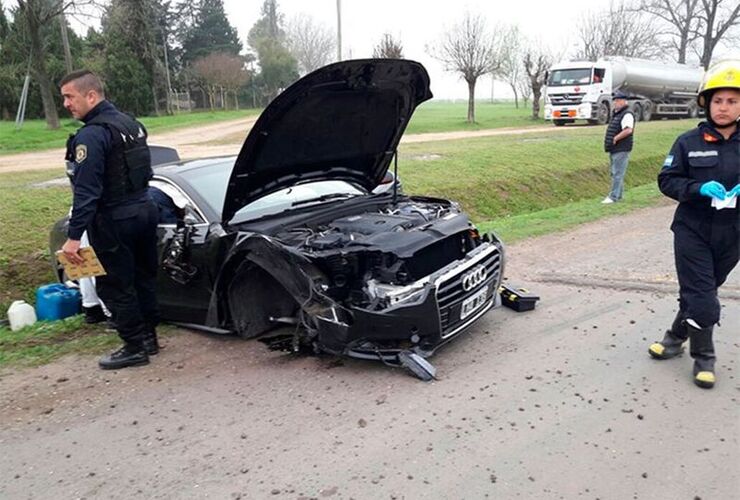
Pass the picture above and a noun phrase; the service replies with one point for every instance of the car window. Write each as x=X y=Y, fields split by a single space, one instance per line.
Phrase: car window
x=569 y=77
x=285 y=198
x=210 y=183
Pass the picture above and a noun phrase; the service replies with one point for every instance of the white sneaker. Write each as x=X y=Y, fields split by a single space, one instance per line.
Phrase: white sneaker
x=607 y=200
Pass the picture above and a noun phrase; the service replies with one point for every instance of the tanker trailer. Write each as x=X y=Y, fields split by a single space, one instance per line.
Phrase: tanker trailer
x=582 y=90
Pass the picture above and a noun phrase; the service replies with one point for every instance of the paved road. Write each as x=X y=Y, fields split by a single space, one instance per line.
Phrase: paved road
x=561 y=402
x=226 y=138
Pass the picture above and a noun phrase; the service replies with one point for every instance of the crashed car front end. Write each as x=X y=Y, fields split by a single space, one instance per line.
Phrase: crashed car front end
x=406 y=276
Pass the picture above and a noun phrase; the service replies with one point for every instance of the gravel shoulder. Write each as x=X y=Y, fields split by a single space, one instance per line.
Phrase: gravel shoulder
x=561 y=402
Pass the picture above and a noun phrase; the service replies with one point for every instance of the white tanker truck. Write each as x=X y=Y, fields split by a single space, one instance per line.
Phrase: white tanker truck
x=583 y=90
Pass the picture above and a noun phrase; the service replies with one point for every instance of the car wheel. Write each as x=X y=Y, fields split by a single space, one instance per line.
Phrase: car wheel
x=256 y=301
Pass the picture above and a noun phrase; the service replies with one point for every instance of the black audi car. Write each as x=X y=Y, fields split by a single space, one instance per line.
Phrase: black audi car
x=291 y=232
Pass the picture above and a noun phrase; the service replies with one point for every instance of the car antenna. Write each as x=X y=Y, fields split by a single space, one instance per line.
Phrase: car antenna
x=395 y=177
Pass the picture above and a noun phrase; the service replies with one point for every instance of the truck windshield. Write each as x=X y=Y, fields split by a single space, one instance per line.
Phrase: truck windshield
x=576 y=76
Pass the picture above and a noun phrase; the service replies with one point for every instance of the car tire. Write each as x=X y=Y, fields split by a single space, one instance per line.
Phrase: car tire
x=255 y=299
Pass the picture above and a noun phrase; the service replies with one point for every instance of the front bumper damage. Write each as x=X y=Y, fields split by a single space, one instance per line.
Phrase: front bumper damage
x=419 y=318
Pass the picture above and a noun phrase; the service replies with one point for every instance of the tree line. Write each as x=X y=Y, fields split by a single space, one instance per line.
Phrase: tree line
x=145 y=49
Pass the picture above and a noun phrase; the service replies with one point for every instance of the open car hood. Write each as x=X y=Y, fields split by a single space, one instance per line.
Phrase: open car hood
x=341 y=122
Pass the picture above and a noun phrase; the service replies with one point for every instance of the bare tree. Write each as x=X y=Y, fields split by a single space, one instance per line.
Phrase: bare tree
x=536 y=63
x=717 y=18
x=310 y=42
x=681 y=18
x=470 y=50
x=525 y=89
x=511 y=60
x=619 y=31
x=219 y=70
x=388 y=48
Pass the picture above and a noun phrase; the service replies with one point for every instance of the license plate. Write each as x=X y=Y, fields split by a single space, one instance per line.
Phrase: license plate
x=473 y=302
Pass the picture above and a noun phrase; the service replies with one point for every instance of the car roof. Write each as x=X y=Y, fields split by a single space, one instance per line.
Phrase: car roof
x=181 y=167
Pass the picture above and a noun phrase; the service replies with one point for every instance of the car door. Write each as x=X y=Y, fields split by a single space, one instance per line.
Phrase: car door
x=184 y=283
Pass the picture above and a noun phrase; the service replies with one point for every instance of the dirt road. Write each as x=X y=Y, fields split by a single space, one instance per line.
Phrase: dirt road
x=561 y=402
x=226 y=138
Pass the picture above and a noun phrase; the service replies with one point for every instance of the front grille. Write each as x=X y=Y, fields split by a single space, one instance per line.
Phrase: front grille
x=450 y=292
x=566 y=99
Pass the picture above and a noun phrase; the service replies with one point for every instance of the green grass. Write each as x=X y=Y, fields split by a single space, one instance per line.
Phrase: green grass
x=442 y=116
x=47 y=340
x=518 y=185
x=560 y=218
x=35 y=136
x=26 y=216
x=494 y=177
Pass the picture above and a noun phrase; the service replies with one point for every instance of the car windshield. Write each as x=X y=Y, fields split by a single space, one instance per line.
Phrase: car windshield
x=300 y=195
x=576 y=76
x=211 y=183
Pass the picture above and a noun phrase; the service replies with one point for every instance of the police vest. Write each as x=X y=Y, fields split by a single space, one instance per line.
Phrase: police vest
x=128 y=165
x=615 y=127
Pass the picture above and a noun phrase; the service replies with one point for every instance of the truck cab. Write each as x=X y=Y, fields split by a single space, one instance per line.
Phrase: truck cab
x=579 y=90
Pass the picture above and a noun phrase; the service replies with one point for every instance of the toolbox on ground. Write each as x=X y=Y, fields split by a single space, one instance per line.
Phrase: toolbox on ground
x=517 y=298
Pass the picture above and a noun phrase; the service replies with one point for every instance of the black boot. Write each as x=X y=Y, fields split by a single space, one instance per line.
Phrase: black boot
x=672 y=343
x=702 y=350
x=128 y=355
x=150 y=342
x=94 y=315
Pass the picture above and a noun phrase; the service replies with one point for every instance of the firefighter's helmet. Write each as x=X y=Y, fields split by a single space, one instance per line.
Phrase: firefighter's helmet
x=721 y=75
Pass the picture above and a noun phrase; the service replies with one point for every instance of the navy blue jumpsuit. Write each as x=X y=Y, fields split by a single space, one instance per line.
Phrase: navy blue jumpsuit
x=705 y=240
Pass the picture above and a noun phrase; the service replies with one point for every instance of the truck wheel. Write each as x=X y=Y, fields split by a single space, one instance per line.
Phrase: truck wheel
x=647 y=113
x=638 y=113
x=603 y=116
x=559 y=123
x=693 y=110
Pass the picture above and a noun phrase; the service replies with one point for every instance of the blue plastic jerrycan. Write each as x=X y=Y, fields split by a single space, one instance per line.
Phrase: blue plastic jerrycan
x=56 y=301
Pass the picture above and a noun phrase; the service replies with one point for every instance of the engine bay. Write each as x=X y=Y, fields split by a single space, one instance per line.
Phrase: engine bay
x=365 y=255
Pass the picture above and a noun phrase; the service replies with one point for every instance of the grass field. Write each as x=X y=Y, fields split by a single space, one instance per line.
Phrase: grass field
x=518 y=185
x=35 y=136
x=441 y=116
x=430 y=117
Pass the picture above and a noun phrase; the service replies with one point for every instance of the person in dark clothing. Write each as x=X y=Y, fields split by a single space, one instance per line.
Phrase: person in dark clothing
x=702 y=172
x=618 y=143
x=111 y=169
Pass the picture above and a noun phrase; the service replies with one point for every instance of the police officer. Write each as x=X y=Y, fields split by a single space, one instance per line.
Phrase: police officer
x=702 y=172
x=618 y=142
x=111 y=170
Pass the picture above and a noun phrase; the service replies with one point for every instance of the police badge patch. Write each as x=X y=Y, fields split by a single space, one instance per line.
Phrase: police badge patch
x=80 y=153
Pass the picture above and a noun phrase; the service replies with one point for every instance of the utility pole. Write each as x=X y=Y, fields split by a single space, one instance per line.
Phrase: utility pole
x=65 y=43
x=167 y=72
x=339 y=30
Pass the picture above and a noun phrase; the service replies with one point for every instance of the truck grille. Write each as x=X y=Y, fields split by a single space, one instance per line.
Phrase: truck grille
x=566 y=99
x=451 y=294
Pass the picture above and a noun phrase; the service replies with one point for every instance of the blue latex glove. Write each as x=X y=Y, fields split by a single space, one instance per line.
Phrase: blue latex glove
x=713 y=189
x=734 y=191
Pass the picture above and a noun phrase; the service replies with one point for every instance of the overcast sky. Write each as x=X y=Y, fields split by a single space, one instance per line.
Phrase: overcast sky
x=418 y=23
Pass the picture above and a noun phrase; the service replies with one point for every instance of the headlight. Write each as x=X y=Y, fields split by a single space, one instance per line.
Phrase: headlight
x=393 y=294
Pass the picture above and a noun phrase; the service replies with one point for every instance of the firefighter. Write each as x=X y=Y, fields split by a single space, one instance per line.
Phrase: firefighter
x=702 y=172
x=111 y=169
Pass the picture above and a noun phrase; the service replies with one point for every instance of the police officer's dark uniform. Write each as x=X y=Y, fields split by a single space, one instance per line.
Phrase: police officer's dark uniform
x=705 y=239
x=111 y=169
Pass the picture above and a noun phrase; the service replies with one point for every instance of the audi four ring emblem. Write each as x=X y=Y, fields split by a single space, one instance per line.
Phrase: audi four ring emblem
x=474 y=278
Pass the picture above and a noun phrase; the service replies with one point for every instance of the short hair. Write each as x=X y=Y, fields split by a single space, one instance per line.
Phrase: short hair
x=84 y=80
